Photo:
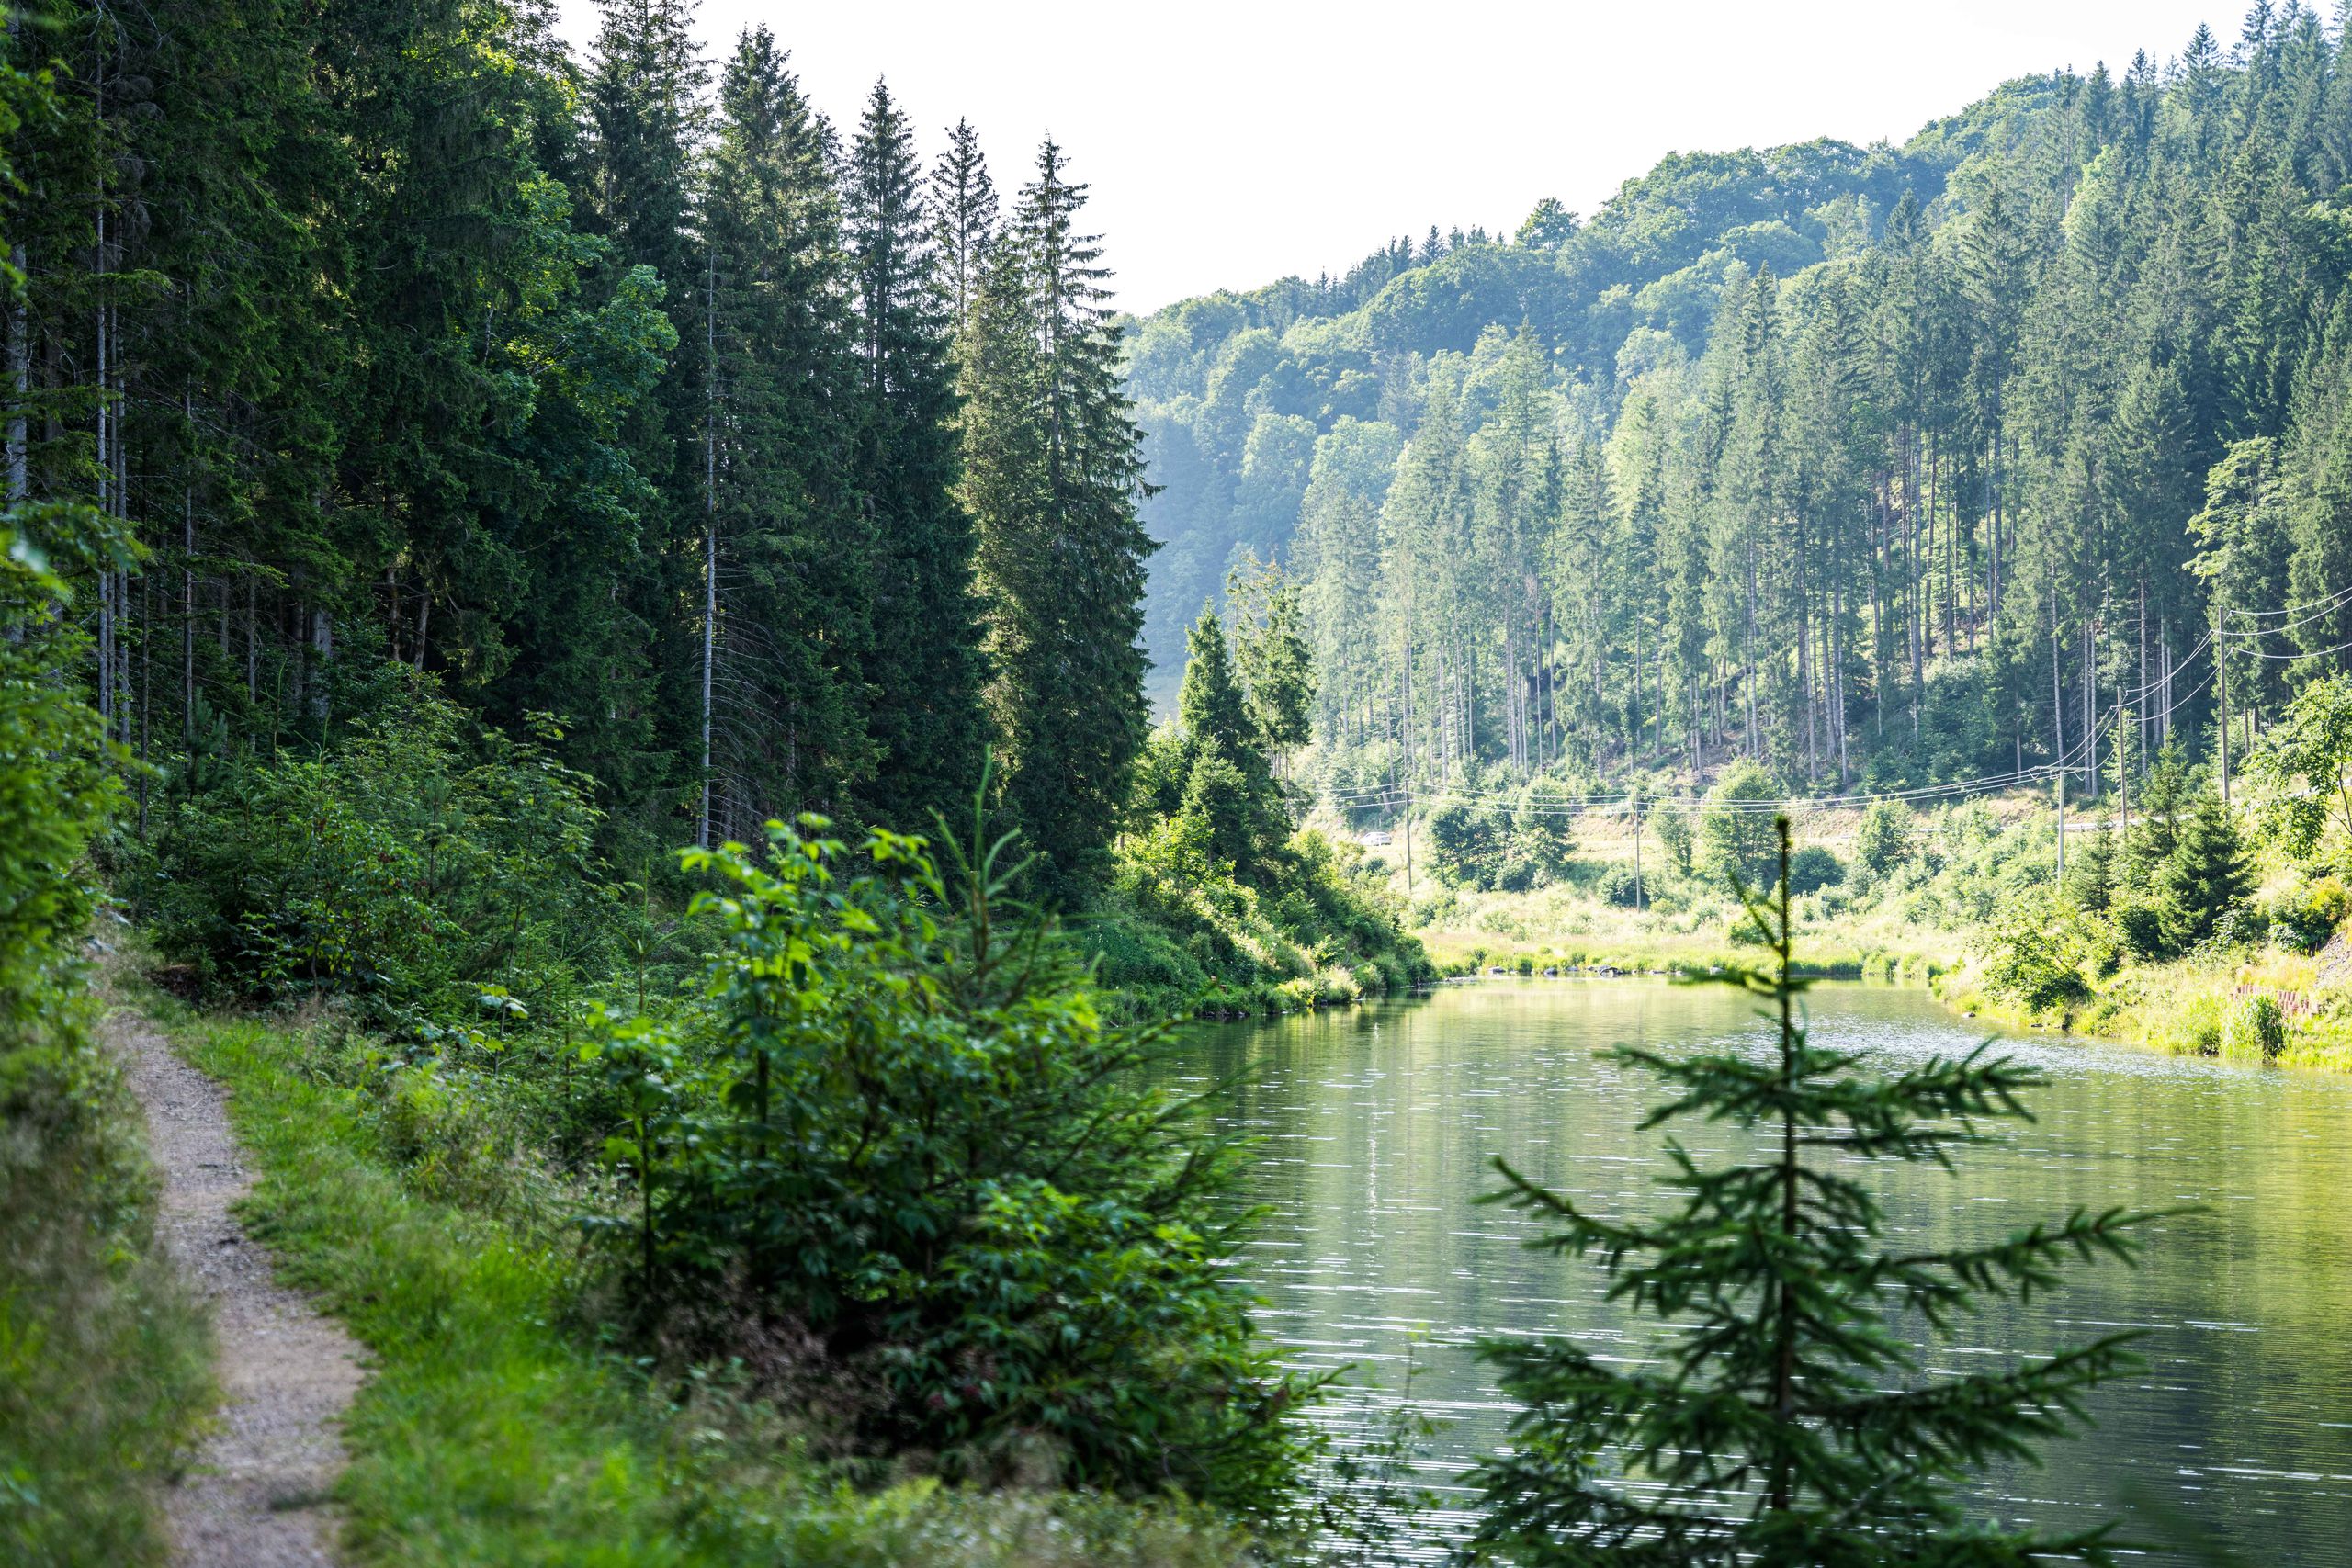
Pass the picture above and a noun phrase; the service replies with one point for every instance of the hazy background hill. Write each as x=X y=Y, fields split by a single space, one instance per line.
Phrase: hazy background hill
x=1238 y=392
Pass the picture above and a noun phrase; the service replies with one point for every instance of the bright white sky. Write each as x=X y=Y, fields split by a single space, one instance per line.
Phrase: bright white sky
x=1228 y=144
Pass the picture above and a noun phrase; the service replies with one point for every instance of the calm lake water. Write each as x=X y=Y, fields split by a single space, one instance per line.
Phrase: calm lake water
x=1378 y=1124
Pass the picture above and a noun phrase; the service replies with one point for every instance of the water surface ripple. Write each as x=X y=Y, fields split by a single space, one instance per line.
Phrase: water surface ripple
x=1377 y=1125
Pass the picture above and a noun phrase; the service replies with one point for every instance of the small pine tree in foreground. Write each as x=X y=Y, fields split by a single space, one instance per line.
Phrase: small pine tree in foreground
x=1786 y=1417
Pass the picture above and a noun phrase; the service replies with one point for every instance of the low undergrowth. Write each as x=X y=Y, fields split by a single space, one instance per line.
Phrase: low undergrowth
x=1179 y=933
x=498 y=1425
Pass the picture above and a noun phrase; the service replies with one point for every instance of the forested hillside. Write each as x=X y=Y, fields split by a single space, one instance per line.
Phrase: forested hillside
x=1880 y=465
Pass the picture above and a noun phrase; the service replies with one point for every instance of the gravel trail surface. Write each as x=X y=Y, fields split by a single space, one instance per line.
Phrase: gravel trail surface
x=257 y=1496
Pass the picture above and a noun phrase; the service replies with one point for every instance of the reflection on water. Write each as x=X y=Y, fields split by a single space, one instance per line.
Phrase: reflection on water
x=1378 y=1124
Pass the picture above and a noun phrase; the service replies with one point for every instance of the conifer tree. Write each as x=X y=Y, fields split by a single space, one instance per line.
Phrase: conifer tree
x=1054 y=475
x=794 y=546
x=964 y=217
x=923 y=665
x=1789 y=1419
x=1228 y=785
x=646 y=112
x=1271 y=653
x=2206 y=875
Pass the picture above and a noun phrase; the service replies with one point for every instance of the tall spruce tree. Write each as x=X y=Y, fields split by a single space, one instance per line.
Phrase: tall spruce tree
x=646 y=113
x=1054 y=475
x=964 y=216
x=922 y=668
x=1789 y=1419
x=790 y=548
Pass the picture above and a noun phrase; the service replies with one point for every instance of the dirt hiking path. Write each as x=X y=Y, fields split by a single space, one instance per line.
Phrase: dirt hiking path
x=256 y=1496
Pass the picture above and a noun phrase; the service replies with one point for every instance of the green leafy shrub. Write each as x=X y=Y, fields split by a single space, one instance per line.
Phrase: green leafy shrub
x=1468 y=844
x=2139 y=924
x=2254 y=1027
x=414 y=866
x=1735 y=833
x=2306 y=760
x=1542 y=834
x=1618 y=884
x=900 y=1126
x=1671 y=821
x=1886 y=837
x=2030 y=960
x=1812 y=868
x=2304 y=917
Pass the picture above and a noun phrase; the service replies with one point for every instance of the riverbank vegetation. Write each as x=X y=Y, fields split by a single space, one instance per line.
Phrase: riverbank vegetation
x=578 y=460
x=1805 y=477
x=2174 y=920
x=502 y=1421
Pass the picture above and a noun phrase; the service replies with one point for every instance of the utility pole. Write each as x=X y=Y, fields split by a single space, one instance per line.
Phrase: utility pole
x=1409 y=835
x=2124 y=762
x=2221 y=681
x=2062 y=828
x=1641 y=899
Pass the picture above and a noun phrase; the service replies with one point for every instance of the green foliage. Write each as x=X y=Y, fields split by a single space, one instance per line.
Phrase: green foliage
x=1618 y=885
x=901 y=1125
x=1271 y=649
x=2159 y=808
x=1734 y=840
x=1469 y=845
x=1813 y=868
x=2032 y=958
x=925 y=668
x=2254 y=1028
x=485 y=1407
x=1785 y=1414
x=103 y=1355
x=1544 y=830
x=2303 y=918
x=2306 y=759
x=1672 y=823
x=1887 y=837
x=1053 y=473
x=2139 y=921
x=420 y=865
x=2206 y=877
x=1228 y=795
x=1181 y=935
x=2093 y=867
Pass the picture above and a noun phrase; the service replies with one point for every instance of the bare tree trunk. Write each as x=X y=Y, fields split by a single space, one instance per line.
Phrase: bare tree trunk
x=711 y=528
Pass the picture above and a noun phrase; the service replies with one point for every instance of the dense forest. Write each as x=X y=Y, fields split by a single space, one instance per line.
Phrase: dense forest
x=629 y=389
x=1880 y=465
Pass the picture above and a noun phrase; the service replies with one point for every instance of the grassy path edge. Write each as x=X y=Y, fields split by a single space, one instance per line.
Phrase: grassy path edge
x=493 y=1430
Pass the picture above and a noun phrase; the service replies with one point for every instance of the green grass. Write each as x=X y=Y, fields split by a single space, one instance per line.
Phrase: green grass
x=2182 y=1007
x=494 y=1428
x=104 y=1366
